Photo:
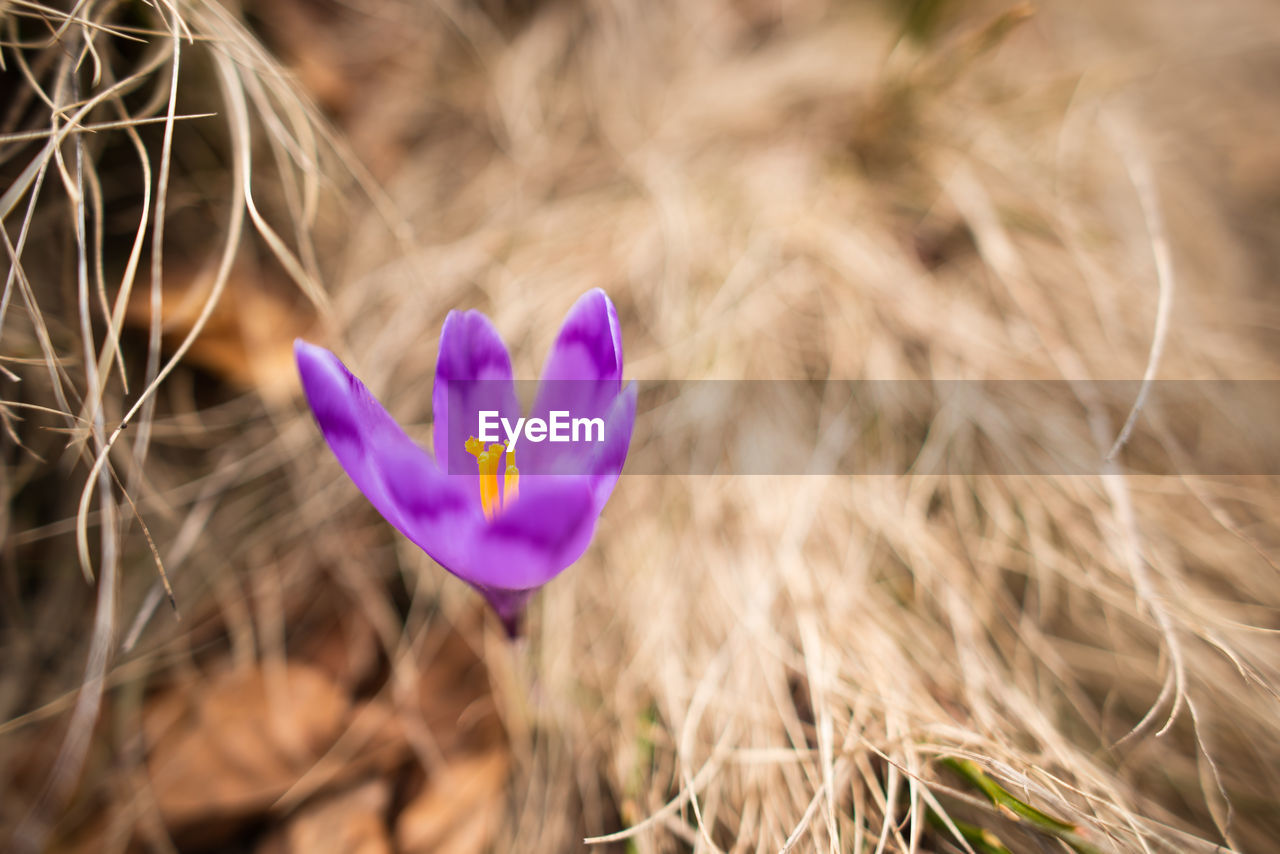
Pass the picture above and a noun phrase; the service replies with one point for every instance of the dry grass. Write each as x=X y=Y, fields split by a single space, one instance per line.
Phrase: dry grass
x=767 y=190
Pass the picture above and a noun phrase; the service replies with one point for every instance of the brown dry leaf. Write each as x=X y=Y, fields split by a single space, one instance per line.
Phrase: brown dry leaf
x=343 y=643
x=227 y=748
x=86 y=839
x=308 y=38
x=350 y=822
x=460 y=808
x=362 y=69
x=455 y=698
x=372 y=742
x=248 y=338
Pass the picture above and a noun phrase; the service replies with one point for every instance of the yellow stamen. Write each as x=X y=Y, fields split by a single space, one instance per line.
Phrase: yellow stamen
x=488 y=462
x=511 y=481
x=490 y=498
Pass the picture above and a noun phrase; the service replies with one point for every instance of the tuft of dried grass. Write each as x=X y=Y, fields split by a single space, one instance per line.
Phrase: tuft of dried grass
x=768 y=191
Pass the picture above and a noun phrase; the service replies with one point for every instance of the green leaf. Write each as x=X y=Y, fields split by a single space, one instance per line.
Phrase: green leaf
x=1019 y=810
x=980 y=839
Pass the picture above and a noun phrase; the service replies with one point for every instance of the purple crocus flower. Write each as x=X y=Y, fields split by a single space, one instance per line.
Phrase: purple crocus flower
x=505 y=529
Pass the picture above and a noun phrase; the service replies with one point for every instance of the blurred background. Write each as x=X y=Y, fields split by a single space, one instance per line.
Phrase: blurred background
x=210 y=640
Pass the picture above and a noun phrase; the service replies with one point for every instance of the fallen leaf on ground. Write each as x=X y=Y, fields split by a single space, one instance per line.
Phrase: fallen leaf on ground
x=372 y=742
x=343 y=644
x=350 y=822
x=456 y=700
x=460 y=808
x=248 y=338
x=227 y=748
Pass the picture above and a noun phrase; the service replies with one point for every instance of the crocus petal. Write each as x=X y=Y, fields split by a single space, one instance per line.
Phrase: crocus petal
x=439 y=513
x=377 y=455
x=526 y=545
x=589 y=346
x=473 y=373
x=582 y=376
x=532 y=540
x=610 y=456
